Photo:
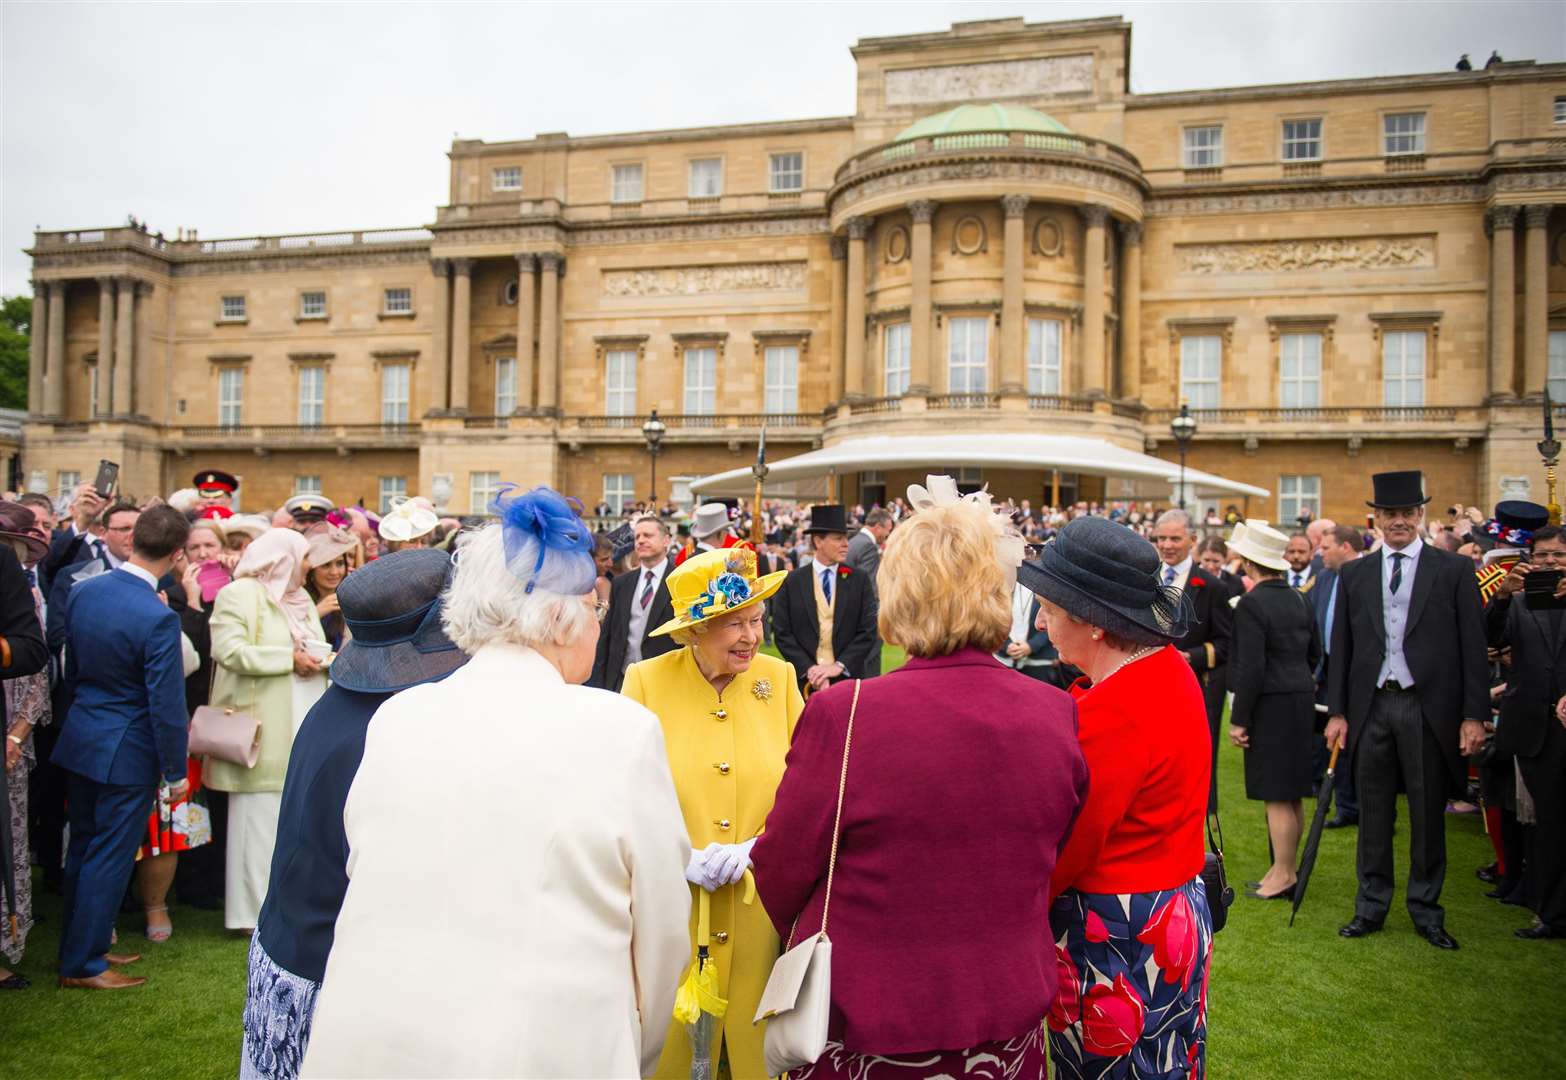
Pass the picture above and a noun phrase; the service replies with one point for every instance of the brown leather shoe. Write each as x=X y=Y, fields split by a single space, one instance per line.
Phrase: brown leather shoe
x=122 y=958
x=107 y=980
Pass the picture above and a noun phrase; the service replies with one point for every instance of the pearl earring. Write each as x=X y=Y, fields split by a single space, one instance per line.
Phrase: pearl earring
x=1098 y=637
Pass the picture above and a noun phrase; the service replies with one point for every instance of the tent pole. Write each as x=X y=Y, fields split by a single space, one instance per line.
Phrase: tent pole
x=1054 y=488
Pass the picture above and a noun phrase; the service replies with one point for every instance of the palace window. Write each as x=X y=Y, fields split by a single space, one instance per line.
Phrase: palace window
x=620 y=382
x=1043 y=356
x=312 y=396
x=394 y=393
x=392 y=487
x=1203 y=147
x=1299 y=371
x=505 y=385
x=1560 y=110
x=968 y=355
x=508 y=178
x=307 y=485
x=1302 y=140
x=233 y=309
x=69 y=481
x=706 y=178
x=701 y=381
x=619 y=491
x=1556 y=377
x=787 y=172
x=1201 y=370
x=626 y=183
x=398 y=302
x=1403 y=133
x=899 y=358
x=1295 y=494
x=1403 y=368
x=312 y=305
x=231 y=396
x=780 y=379
x=482 y=489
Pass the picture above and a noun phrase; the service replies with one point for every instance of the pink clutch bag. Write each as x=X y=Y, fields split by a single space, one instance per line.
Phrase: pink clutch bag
x=226 y=735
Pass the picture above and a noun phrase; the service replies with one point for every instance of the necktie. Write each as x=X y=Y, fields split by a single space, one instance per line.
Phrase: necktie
x=1296 y=579
x=1397 y=571
x=98 y=551
x=1169 y=575
x=32 y=577
x=826 y=584
x=647 y=592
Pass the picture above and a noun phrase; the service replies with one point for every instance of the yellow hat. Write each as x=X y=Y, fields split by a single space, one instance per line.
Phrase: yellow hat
x=716 y=583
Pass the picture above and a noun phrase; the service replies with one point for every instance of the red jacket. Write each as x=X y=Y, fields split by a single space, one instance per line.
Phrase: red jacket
x=1149 y=750
x=963 y=781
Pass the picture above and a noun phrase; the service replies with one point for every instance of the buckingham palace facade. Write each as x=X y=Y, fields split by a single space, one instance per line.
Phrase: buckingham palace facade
x=1336 y=277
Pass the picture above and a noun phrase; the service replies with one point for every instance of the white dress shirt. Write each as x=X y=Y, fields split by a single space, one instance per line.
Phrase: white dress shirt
x=816 y=568
x=639 y=614
x=1394 y=612
x=145 y=575
x=1182 y=571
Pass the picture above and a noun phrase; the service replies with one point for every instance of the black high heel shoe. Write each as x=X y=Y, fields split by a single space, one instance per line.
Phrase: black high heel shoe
x=1285 y=894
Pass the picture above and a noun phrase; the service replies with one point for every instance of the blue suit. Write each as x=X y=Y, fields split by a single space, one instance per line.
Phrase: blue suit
x=126 y=730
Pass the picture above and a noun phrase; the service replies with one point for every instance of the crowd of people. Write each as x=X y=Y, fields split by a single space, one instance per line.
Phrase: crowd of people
x=650 y=814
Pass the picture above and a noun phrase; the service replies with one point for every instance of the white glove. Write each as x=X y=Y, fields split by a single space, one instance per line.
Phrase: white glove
x=727 y=863
x=696 y=870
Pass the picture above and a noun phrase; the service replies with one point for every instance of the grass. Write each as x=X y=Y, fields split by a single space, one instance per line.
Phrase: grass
x=1286 y=1003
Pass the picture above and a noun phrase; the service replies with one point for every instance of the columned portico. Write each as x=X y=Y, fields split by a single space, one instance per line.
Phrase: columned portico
x=124 y=348
x=1503 y=287
x=549 y=264
x=36 y=349
x=1536 y=299
x=461 y=332
x=919 y=313
x=854 y=351
x=1129 y=384
x=102 y=386
x=1013 y=378
x=440 y=340
x=525 y=319
x=54 y=385
x=1095 y=369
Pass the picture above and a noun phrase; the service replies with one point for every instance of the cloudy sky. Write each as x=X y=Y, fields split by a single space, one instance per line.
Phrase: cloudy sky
x=246 y=118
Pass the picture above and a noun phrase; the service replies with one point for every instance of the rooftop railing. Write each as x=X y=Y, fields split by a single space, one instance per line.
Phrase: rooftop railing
x=1043 y=144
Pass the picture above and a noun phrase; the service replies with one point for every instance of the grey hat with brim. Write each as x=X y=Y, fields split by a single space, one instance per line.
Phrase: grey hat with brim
x=1106 y=575
x=393 y=610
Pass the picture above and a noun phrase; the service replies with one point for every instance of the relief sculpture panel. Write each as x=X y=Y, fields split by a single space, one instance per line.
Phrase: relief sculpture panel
x=697 y=280
x=1282 y=256
x=985 y=82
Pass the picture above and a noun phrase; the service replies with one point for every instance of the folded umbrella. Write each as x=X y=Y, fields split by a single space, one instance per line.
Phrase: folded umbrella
x=697 y=1003
x=1313 y=841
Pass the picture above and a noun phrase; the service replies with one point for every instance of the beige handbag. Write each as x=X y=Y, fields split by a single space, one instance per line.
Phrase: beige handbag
x=798 y=999
x=222 y=731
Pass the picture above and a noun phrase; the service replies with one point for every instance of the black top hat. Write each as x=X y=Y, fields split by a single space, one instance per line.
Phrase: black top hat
x=1395 y=490
x=828 y=518
x=1106 y=574
x=392 y=607
x=1521 y=514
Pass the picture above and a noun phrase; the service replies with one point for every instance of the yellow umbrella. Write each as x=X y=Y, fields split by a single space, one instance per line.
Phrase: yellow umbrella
x=697 y=1003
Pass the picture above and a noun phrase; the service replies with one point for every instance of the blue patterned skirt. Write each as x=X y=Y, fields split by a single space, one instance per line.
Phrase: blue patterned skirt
x=279 y=1006
x=1133 y=967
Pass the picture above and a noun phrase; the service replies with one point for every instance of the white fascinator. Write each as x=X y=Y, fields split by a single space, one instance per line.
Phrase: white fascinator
x=941 y=491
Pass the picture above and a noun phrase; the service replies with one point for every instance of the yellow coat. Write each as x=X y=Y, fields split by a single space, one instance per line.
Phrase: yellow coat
x=726 y=773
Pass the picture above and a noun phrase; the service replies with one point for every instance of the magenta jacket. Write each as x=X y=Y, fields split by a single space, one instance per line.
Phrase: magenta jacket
x=963 y=782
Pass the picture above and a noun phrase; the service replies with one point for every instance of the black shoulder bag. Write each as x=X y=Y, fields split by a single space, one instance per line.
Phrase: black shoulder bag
x=1219 y=892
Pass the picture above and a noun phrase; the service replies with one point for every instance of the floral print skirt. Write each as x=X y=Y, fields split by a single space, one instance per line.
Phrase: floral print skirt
x=1132 y=999
x=279 y=1007
x=1024 y=1058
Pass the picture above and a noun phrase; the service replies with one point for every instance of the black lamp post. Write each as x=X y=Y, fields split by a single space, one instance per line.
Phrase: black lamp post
x=1183 y=427
x=653 y=432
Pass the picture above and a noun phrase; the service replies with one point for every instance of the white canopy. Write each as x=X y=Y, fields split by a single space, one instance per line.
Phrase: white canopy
x=1068 y=453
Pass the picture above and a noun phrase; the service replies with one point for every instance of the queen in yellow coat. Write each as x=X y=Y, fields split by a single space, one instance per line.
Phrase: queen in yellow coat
x=728 y=715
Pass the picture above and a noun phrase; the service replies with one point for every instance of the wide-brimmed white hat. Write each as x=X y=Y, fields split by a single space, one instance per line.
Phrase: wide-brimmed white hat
x=408 y=519
x=1261 y=544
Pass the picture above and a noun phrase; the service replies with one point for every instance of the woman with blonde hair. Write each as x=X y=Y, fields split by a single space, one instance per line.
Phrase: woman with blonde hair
x=956 y=781
x=728 y=713
x=267 y=648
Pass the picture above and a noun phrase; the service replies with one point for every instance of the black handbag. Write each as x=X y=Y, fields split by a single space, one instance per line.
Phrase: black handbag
x=1219 y=893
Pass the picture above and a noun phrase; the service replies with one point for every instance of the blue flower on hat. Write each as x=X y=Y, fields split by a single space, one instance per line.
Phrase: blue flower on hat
x=548 y=518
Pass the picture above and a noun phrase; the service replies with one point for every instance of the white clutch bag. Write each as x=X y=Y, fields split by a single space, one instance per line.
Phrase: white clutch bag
x=797 y=1002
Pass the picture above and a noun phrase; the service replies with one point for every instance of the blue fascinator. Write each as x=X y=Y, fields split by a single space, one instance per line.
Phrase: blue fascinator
x=547 y=543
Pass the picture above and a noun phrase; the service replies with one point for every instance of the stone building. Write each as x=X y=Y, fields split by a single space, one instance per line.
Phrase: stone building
x=1337 y=277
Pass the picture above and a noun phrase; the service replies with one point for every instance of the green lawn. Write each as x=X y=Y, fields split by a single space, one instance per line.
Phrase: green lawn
x=1285 y=1003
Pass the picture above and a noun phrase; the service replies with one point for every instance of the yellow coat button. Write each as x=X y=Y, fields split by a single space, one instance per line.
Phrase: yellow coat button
x=721 y=937
x=723 y=767
x=725 y=825
x=721 y=714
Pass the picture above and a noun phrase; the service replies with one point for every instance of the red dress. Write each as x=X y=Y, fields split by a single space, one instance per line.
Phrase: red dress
x=179 y=825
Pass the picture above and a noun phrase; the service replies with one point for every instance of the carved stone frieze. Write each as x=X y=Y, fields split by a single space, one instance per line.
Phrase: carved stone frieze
x=700 y=230
x=990 y=80
x=700 y=280
x=501 y=234
x=1043 y=171
x=1528 y=181
x=1171 y=204
x=1282 y=256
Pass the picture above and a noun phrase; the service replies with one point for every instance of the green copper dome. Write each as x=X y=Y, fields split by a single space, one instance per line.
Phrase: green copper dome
x=991 y=117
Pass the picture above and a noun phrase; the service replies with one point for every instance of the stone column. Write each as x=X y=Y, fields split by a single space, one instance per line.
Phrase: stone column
x=839 y=246
x=37 y=332
x=920 y=322
x=1503 y=318
x=1013 y=365
x=1130 y=383
x=549 y=264
x=461 y=332
x=1095 y=371
x=1536 y=306
x=440 y=341
x=54 y=387
x=525 y=268
x=854 y=311
x=124 y=347
x=144 y=293
x=103 y=404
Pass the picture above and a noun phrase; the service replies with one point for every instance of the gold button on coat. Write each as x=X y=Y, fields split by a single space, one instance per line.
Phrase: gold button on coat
x=723 y=767
x=721 y=937
x=725 y=825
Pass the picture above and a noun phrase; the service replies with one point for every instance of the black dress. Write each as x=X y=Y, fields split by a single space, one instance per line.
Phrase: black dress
x=1272 y=654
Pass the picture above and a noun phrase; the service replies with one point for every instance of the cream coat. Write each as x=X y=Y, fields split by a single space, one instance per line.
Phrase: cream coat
x=253 y=667
x=517 y=903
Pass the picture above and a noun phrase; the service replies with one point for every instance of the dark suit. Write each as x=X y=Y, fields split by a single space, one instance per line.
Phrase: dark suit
x=1206 y=648
x=65 y=547
x=624 y=590
x=1529 y=731
x=1039 y=648
x=125 y=732
x=1407 y=739
x=1320 y=594
x=864 y=555
x=798 y=630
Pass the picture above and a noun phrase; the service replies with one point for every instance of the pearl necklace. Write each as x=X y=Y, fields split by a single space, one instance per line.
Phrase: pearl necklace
x=1143 y=652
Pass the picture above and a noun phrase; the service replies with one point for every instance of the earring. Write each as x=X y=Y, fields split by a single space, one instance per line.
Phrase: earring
x=1098 y=635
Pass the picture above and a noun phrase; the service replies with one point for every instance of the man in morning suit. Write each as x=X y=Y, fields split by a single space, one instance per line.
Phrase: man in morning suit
x=125 y=732
x=864 y=556
x=638 y=602
x=1206 y=640
x=1408 y=693
x=824 y=615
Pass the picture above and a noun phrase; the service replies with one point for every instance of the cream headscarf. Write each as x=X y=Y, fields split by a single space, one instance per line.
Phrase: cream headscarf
x=276 y=560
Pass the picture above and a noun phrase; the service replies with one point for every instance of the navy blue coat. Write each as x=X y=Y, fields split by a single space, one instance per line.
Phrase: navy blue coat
x=127 y=723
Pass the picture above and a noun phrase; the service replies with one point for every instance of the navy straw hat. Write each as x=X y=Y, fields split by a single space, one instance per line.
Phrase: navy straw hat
x=1106 y=574
x=392 y=608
